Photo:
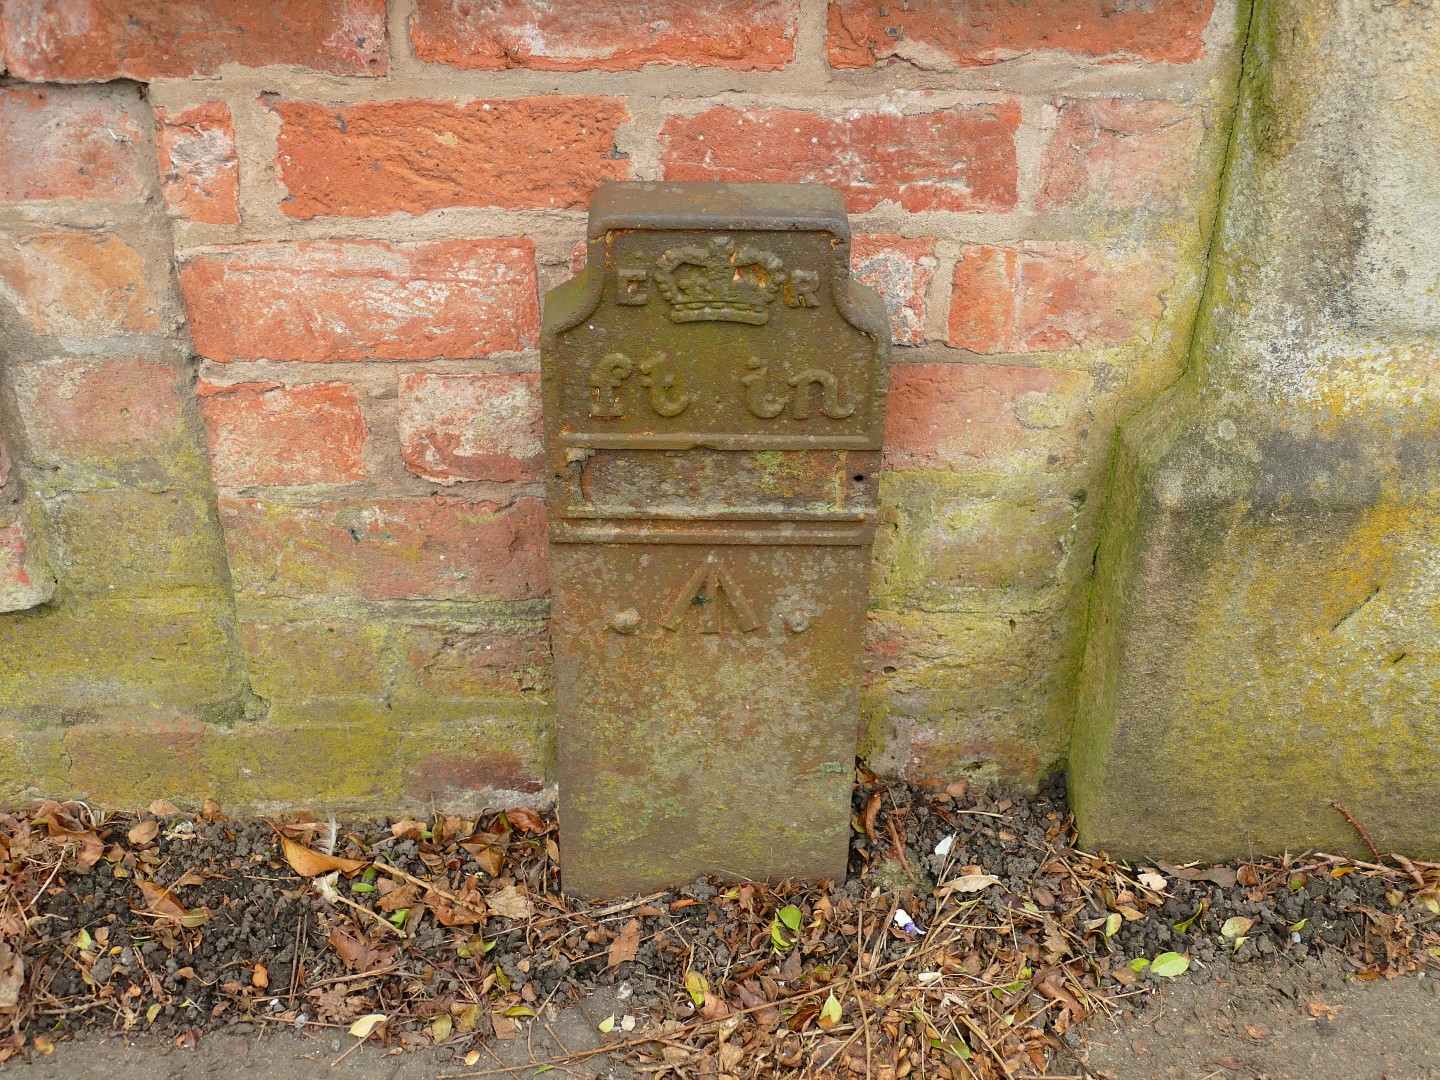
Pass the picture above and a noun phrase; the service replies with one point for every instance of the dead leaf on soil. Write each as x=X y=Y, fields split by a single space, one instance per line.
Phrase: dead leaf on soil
x=12 y=976
x=143 y=832
x=488 y=850
x=626 y=944
x=528 y=820
x=307 y=862
x=510 y=903
x=1320 y=1011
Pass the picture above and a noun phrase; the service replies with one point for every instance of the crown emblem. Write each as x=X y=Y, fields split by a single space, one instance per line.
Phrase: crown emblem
x=719 y=282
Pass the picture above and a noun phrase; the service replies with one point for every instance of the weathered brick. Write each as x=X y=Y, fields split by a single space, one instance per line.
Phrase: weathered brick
x=1119 y=154
x=132 y=763
x=457 y=660
x=900 y=270
x=4 y=463
x=77 y=284
x=199 y=172
x=1050 y=296
x=471 y=427
x=321 y=300
x=745 y=35
x=961 y=158
x=104 y=412
x=23 y=583
x=939 y=34
x=100 y=40
x=445 y=775
x=132 y=542
x=417 y=155
x=342 y=757
x=969 y=417
x=388 y=549
x=299 y=659
x=67 y=142
x=270 y=433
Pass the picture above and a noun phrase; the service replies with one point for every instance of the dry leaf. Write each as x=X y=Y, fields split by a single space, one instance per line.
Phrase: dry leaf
x=527 y=820
x=626 y=944
x=488 y=850
x=307 y=862
x=143 y=832
x=402 y=897
x=969 y=883
x=260 y=977
x=408 y=829
x=471 y=912
x=362 y=1028
x=1320 y=1010
x=163 y=808
x=510 y=903
x=160 y=901
x=12 y=976
x=505 y=1028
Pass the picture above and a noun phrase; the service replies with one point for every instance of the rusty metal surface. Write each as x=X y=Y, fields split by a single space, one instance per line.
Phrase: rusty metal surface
x=714 y=390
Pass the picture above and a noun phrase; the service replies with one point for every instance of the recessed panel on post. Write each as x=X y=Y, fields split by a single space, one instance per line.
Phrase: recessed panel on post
x=714 y=387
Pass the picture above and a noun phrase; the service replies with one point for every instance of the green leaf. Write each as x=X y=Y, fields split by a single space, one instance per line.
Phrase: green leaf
x=830 y=1012
x=777 y=936
x=399 y=916
x=152 y=1012
x=361 y=887
x=607 y=1025
x=544 y=1068
x=1138 y=964
x=791 y=916
x=1169 y=964
x=520 y=1010
x=83 y=941
x=1187 y=923
x=1113 y=923
x=1296 y=927
x=1236 y=927
x=696 y=986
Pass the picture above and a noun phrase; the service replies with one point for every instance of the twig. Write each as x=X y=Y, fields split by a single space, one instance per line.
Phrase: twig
x=1361 y=830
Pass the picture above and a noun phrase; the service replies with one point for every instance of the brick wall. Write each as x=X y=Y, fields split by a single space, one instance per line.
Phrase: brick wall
x=269 y=307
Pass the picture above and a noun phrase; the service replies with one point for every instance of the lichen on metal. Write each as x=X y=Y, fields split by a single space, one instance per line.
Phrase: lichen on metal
x=714 y=390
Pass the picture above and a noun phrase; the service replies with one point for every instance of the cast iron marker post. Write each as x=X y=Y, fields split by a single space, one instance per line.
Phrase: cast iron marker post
x=714 y=393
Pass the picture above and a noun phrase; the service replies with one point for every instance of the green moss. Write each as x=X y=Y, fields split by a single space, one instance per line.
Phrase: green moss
x=109 y=656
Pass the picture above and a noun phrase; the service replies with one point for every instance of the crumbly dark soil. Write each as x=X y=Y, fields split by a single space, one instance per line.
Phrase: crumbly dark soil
x=199 y=926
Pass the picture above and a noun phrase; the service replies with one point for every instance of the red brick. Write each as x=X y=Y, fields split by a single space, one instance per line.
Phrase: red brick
x=67 y=142
x=962 y=158
x=100 y=40
x=413 y=156
x=471 y=427
x=938 y=34
x=900 y=270
x=451 y=773
x=968 y=417
x=269 y=433
x=744 y=35
x=1046 y=297
x=323 y=300
x=389 y=549
x=1119 y=154
x=457 y=661
x=579 y=255
x=78 y=410
x=199 y=172
x=79 y=284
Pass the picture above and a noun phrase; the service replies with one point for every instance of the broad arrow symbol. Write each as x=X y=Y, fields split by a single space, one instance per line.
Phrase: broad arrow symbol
x=703 y=590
